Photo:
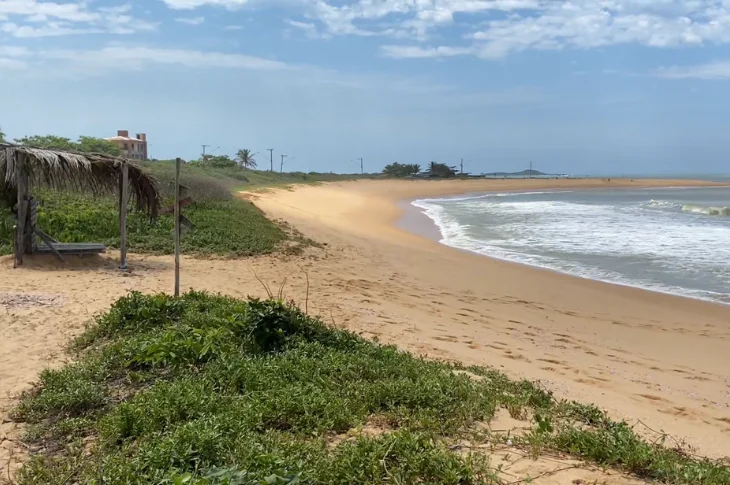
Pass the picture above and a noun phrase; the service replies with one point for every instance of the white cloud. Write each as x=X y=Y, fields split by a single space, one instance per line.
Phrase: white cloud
x=309 y=29
x=191 y=4
x=112 y=59
x=13 y=64
x=13 y=51
x=589 y=24
x=233 y=27
x=190 y=20
x=137 y=58
x=50 y=29
x=712 y=70
x=33 y=18
x=496 y=28
x=416 y=52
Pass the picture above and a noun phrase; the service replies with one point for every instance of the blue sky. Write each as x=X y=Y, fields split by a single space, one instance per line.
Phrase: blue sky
x=576 y=86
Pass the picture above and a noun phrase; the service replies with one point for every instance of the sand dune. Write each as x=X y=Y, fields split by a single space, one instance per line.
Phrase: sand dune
x=644 y=356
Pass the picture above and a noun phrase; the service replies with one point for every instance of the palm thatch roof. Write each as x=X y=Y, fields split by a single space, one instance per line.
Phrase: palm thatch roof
x=96 y=173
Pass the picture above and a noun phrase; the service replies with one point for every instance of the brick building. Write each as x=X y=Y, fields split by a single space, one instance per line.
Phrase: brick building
x=134 y=148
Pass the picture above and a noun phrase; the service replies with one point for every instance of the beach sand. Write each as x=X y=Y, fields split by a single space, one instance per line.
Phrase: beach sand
x=653 y=359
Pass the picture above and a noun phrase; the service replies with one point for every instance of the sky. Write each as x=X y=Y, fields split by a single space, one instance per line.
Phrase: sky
x=575 y=86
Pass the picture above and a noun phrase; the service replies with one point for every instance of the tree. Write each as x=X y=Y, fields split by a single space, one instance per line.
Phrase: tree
x=97 y=145
x=245 y=159
x=401 y=169
x=436 y=169
x=218 y=161
x=86 y=144
x=2 y=136
x=50 y=142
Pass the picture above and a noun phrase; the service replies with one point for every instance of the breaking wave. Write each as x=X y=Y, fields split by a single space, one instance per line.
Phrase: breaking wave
x=710 y=211
x=617 y=238
x=691 y=208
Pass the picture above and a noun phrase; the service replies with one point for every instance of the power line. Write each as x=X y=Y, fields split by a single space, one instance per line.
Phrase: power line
x=271 y=150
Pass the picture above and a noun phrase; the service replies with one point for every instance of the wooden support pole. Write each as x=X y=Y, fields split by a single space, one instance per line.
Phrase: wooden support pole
x=21 y=183
x=123 y=202
x=177 y=227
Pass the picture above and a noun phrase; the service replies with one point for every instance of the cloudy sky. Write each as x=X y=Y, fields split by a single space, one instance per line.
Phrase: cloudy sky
x=578 y=86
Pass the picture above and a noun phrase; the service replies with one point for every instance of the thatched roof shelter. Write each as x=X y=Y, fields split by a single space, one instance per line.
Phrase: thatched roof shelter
x=22 y=168
x=95 y=173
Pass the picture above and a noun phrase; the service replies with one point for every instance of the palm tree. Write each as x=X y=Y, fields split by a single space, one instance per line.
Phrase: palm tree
x=245 y=159
x=433 y=168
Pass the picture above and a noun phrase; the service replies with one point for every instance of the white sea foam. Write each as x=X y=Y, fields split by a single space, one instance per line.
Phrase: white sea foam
x=664 y=204
x=722 y=211
x=489 y=195
x=709 y=211
x=644 y=244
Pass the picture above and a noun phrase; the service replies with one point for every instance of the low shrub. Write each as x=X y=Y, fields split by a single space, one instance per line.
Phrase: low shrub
x=206 y=389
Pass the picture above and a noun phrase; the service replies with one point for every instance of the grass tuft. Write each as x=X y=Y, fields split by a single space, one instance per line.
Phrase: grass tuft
x=207 y=389
x=225 y=225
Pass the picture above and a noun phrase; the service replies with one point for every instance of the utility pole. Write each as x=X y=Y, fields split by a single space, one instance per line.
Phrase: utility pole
x=204 y=147
x=281 y=168
x=462 y=166
x=271 y=158
x=530 y=168
x=362 y=169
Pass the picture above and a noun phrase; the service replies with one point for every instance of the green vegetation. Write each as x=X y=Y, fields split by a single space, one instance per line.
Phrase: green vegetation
x=233 y=177
x=401 y=169
x=83 y=144
x=435 y=169
x=224 y=225
x=245 y=159
x=206 y=389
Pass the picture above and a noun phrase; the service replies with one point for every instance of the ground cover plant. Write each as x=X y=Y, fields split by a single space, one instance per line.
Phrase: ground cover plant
x=225 y=224
x=207 y=389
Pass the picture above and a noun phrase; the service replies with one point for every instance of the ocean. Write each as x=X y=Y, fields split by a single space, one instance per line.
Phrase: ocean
x=672 y=240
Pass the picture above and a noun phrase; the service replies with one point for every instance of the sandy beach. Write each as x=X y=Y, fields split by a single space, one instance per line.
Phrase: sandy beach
x=646 y=357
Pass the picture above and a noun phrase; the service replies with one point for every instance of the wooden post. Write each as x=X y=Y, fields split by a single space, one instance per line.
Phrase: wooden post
x=123 y=202
x=21 y=184
x=31 y=243
x=177 y=227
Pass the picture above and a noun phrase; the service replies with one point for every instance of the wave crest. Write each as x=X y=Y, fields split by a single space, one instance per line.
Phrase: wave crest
x=691 y=208
x=709 y=211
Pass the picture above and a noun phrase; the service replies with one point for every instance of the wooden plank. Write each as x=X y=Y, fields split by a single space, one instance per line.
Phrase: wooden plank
x=177 y=227
x=123 y=202
x=21 y=184
x=72 y=248
x=43 y=235
x=49 y=245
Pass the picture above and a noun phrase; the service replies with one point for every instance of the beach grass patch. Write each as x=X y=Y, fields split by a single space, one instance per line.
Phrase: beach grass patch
x=208 y=389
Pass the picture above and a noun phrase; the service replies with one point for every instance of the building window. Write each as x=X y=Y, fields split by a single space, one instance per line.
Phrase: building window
x=125 y=146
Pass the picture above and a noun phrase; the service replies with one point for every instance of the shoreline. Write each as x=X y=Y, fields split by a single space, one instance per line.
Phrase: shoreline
x=628 y=350
x=631 y=352
x=415 y=220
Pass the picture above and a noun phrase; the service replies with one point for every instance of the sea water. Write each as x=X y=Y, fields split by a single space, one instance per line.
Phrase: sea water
x=673 y=240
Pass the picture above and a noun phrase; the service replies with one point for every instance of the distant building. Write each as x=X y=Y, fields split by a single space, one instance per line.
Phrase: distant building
x=134 y=148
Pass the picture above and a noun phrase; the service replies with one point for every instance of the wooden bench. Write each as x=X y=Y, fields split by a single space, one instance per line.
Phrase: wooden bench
x=50 y=245
x=71 y=248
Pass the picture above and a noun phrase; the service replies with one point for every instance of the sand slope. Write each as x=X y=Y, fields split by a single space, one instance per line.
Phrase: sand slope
x=644 y=356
